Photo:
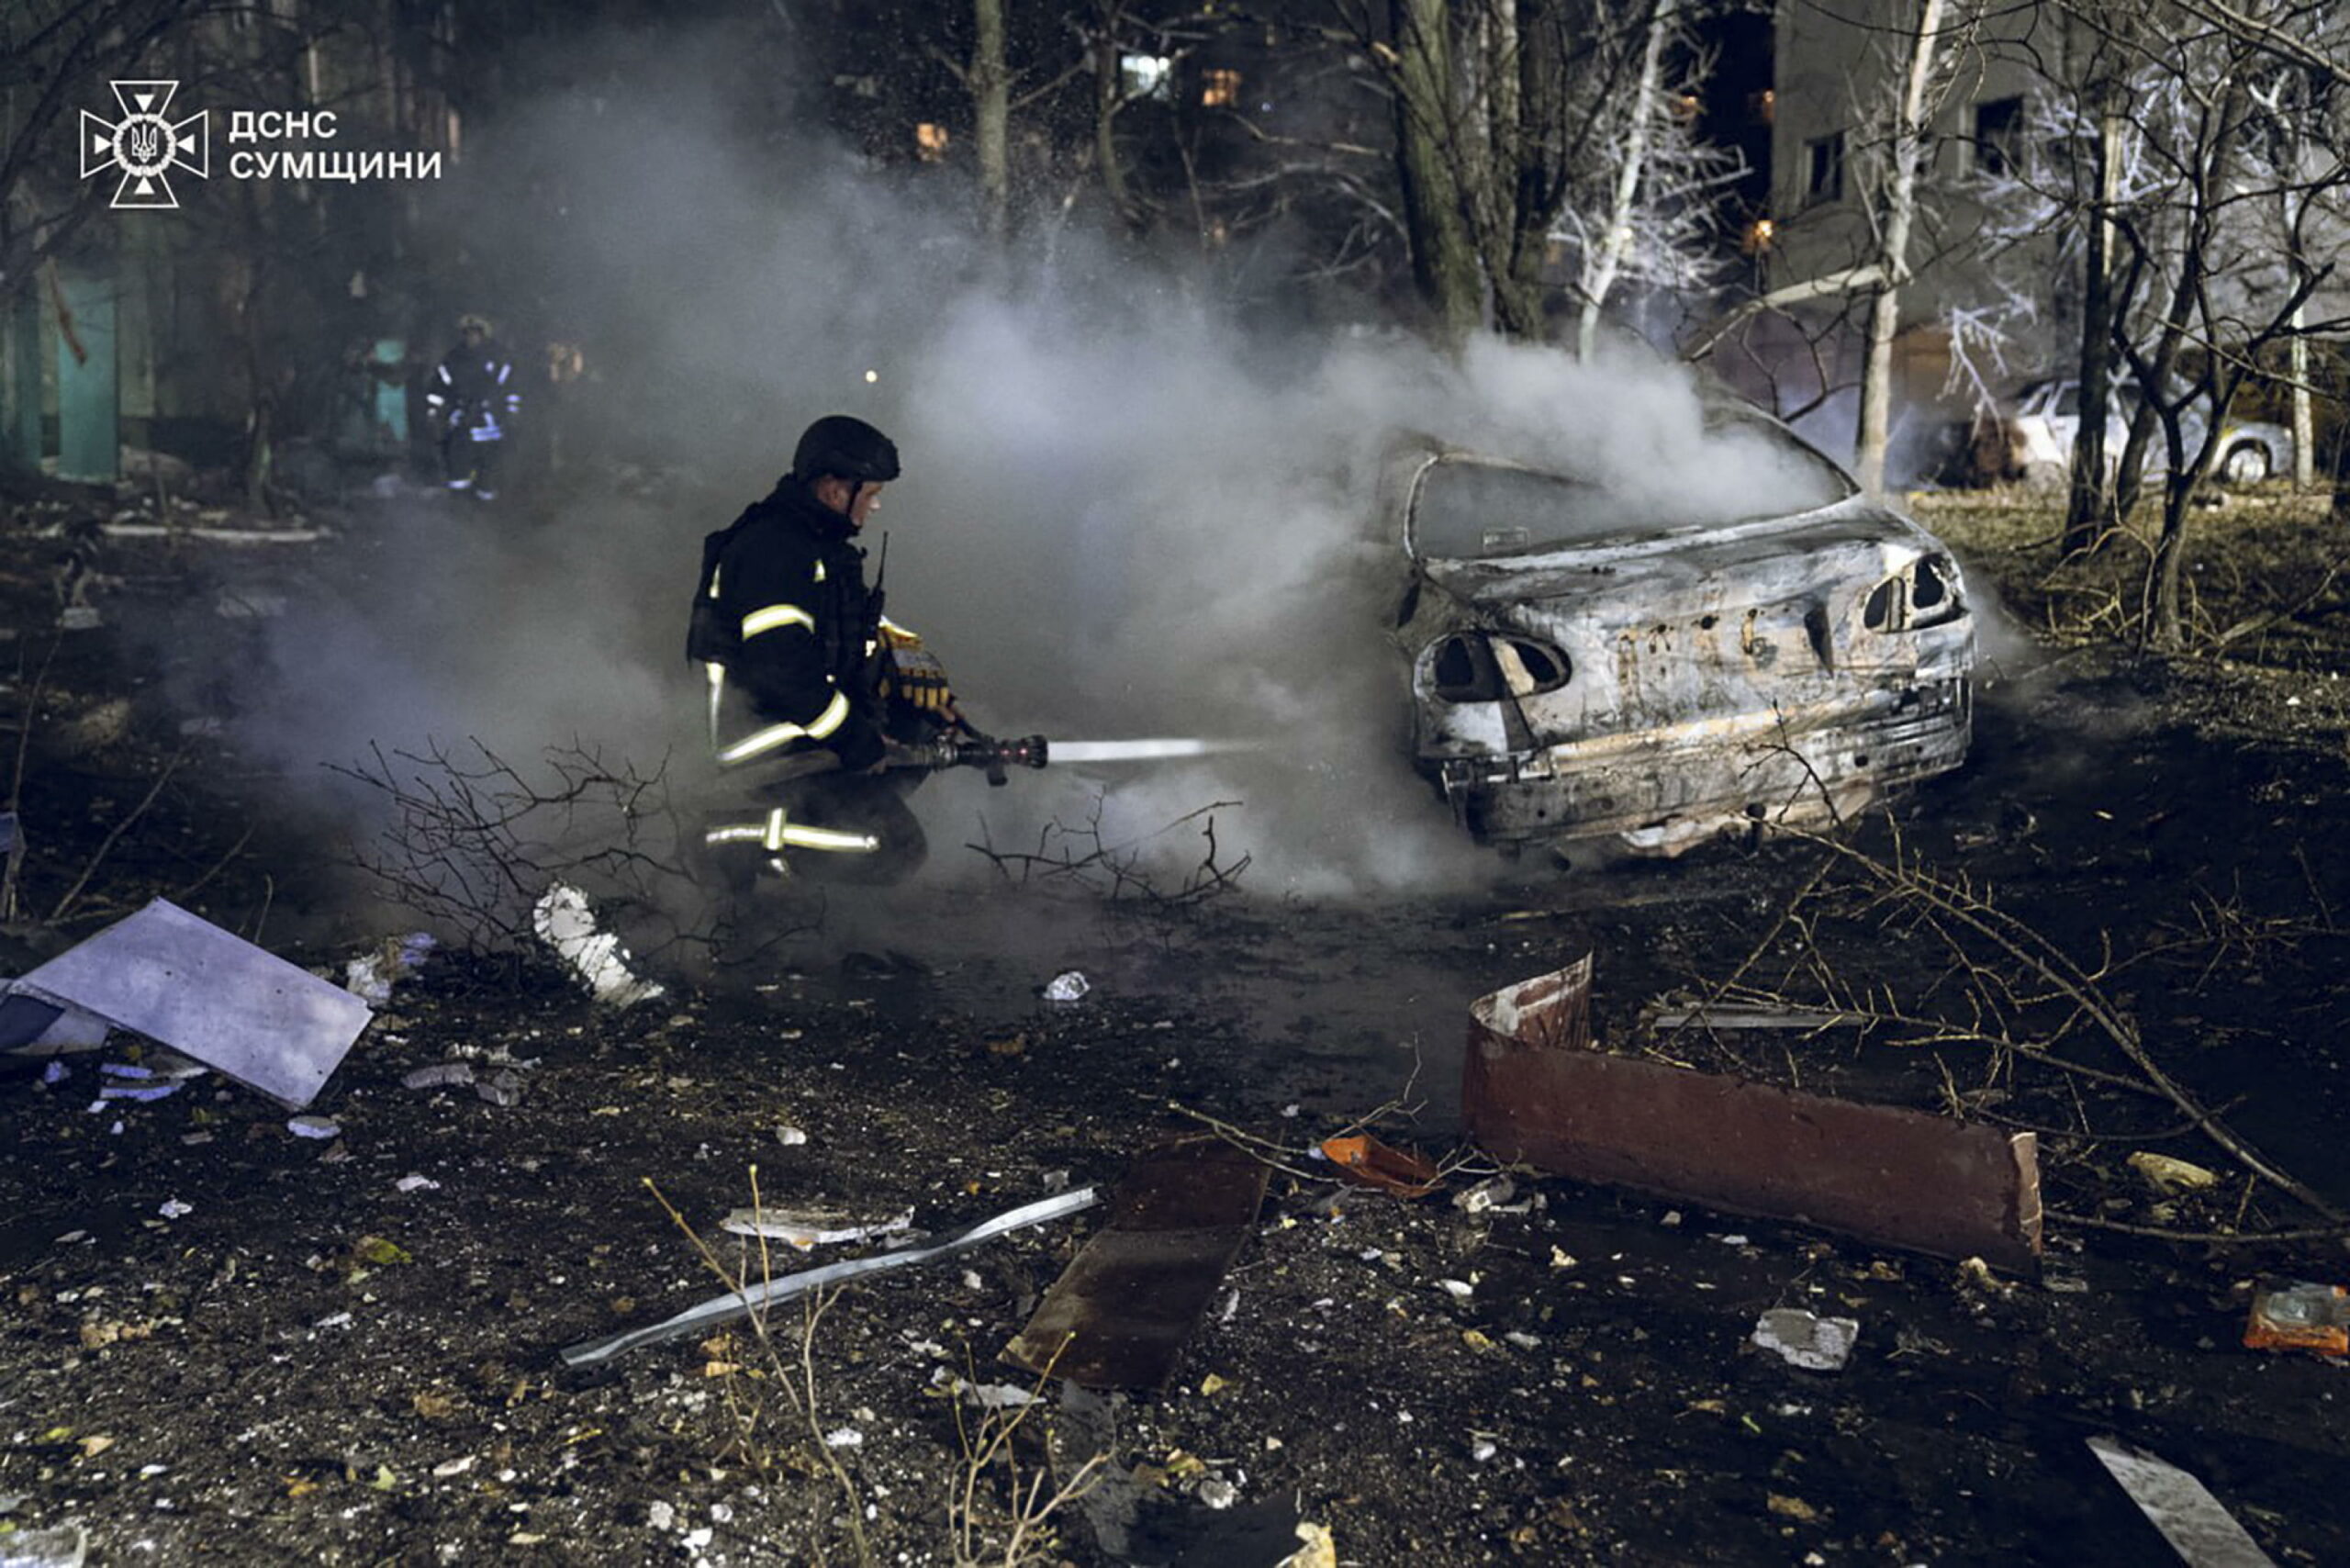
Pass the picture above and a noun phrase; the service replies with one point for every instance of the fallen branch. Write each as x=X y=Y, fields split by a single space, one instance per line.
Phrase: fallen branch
x=2204 y=1238
x=1115 y=870
x=2041 y=957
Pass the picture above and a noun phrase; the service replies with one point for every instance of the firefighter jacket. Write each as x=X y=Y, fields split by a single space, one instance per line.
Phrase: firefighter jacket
x=474 y=391
x=790 y=639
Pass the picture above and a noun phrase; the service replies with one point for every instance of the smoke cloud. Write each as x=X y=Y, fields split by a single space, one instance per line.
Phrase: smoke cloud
x=1124 y=513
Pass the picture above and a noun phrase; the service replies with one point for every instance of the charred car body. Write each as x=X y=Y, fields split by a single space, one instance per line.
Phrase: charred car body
x=1586 y=667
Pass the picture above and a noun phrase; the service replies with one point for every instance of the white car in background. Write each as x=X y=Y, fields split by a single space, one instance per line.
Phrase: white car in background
x=2046 y=420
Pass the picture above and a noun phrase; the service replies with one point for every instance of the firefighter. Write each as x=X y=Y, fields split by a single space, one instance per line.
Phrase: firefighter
x=472 y=400
x=810 y=687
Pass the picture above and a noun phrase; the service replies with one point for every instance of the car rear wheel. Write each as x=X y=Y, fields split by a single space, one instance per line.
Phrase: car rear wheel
x=2245 y=464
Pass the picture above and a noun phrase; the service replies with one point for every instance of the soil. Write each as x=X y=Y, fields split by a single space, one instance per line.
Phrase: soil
x=229 y=1342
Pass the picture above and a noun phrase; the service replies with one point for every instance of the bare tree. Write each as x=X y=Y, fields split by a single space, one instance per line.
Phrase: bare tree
x=1906 y=144
x=993 y=82
x=2234 y=196
x=1501 y=106
x=55 y=56
x=1652 y=219
x=1445 y=260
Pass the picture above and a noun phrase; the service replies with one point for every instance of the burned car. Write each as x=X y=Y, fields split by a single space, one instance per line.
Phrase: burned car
x=1588 y=666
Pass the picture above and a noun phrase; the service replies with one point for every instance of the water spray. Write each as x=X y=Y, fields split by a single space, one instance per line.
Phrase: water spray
x=1034 y=751
x=1144 y=750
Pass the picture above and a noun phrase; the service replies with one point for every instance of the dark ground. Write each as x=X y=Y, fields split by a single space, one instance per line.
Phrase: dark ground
x=308 y=1364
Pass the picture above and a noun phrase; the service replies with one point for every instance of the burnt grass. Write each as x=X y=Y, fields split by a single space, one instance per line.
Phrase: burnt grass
x=304 y=1362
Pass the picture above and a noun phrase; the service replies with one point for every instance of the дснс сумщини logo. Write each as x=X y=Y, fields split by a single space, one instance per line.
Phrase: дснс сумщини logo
x=144 y=145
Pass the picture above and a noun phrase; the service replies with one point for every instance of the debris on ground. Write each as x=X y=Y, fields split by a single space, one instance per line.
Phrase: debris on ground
x=1368 y=1162
x=1120 y=1312
x=2203 y=1533
x=564 y=921
x=2300 y=1316
x=807 y=1228
x=986 y=1395
x=1535 y=1091
x=1489 y=1196
x=1729 y=1018
x=165 y=1076
x=1806 y=1339
x=1319 y=1548
x=503 y=1087
x=66 y=1546
x=2164 y=1174
x=1066 y=986
x=756 y=1296
x=180 y=980
x=370 y=976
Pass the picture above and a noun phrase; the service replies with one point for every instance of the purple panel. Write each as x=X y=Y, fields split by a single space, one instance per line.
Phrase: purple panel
x=181 y=980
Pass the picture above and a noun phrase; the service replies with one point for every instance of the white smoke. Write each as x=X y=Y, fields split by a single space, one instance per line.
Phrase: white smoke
x=1122 y=514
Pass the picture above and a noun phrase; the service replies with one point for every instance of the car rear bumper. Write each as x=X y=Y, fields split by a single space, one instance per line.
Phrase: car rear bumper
x=1663 y=790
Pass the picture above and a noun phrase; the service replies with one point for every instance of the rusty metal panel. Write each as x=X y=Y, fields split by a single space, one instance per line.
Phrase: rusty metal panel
x=1121 y=1312
x=1532 y=1090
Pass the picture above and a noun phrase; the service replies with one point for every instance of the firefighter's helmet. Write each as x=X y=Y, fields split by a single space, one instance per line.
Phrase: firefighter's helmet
x=473 y=321
x=845 y=447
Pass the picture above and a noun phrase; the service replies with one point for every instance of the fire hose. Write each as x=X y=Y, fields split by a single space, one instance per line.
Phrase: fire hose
x=774 y=830
x=972 y=749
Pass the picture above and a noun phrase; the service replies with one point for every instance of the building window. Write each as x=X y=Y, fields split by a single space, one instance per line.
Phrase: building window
x=1998 y=145
x=1219 y=89
x=930 y=142
x=1823 y=166
x=1145 y=75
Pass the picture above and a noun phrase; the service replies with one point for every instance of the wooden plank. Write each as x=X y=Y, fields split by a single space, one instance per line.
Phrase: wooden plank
x=1122 y=1310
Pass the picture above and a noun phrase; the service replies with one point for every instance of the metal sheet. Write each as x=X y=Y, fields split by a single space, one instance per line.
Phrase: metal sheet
x=1121 y=1311
x=181 y=980
x=1533 y=1090
x=2202 y=1532
x=754 y=1298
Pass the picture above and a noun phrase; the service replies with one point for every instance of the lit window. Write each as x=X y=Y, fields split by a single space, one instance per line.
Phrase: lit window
x=1219 y=89
x=1997 y=146
x=930 y=142
x=1146 y=75
x=1761 y=107
x=1823 y=169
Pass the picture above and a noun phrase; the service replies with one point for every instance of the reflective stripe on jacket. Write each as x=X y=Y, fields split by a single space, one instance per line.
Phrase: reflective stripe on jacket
x=791 y=588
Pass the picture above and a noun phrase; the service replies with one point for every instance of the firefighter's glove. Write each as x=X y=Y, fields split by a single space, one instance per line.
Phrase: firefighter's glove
x=913 y=675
